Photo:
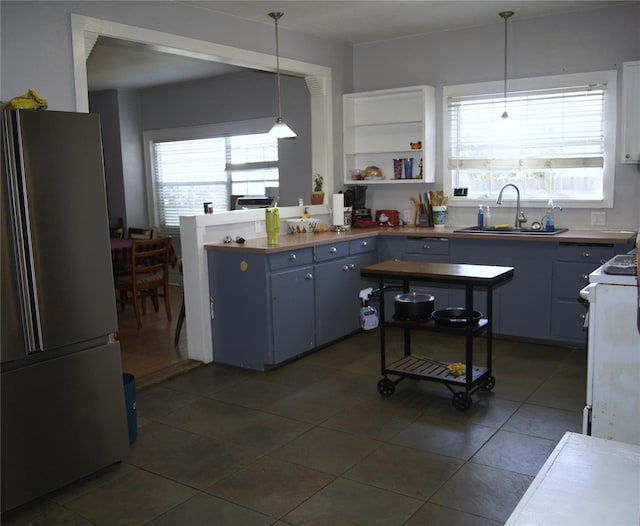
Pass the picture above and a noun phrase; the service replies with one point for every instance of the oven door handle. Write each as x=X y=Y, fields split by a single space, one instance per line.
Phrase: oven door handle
x=588 y=292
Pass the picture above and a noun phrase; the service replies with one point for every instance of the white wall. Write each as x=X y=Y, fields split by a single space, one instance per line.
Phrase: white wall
x=591 y=40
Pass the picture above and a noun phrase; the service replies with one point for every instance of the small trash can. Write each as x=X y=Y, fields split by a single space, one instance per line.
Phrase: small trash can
x=130 y=403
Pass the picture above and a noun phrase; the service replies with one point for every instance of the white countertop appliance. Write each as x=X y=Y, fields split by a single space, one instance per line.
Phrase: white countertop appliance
x=613 y=372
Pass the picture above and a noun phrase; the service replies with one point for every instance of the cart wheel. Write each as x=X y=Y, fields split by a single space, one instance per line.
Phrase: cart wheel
x=386 y=387
x=488 y=384
x=461 y=401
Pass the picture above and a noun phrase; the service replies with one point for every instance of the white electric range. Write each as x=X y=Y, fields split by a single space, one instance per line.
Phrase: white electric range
x=612 y=410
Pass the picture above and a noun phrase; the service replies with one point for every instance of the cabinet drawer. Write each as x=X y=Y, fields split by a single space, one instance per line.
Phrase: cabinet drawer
x=291 y=259
x=428 y=246
x=583 y=253
x=567 y=321
x=332 y=251
x=571 y=277
x=360 y=246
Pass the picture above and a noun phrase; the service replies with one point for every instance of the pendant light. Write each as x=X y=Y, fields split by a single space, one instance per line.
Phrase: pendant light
x=280 y=129
x=506 y=15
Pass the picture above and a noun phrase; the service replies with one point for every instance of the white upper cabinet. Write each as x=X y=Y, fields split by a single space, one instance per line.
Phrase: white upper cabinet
x=380 y=126
x=630 y=148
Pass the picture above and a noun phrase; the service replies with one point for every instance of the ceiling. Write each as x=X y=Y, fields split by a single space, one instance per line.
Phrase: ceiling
x=117 y=64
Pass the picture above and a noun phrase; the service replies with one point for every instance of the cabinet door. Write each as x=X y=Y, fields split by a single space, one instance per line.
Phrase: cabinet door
x=521 y=306
x=630 y=112
x=335 y=302
x=292 y=312
x=240 y=322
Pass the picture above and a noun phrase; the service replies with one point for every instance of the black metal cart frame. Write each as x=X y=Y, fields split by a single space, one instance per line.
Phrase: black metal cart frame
x=469 y=276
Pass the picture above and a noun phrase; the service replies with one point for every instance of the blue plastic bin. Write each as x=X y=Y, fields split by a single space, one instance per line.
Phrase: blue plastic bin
x=130 y=403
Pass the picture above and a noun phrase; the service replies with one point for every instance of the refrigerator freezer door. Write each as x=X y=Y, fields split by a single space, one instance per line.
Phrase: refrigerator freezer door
x=70 y=422
x=60 y=195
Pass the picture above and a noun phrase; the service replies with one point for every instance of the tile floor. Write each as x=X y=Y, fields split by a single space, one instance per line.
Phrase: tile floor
x=314 y=443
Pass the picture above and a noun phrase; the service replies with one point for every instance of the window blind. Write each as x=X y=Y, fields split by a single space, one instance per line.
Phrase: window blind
x=556 y=131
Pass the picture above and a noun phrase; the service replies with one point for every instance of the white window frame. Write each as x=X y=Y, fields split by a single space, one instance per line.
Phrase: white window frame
x=226 y=129
x=514 y=85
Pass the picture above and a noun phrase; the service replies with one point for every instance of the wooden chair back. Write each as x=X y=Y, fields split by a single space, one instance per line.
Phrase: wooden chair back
x=148 y=277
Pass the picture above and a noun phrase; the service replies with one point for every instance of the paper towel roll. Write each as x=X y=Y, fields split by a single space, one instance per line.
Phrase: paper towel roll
x=338 y=209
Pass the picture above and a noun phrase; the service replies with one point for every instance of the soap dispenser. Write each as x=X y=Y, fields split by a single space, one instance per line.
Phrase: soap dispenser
x=549 y=225
x=480 y=217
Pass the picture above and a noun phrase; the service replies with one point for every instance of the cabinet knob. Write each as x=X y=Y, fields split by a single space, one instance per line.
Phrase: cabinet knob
x=333 y=250
x=352 y=266
x=308 y=276
x=345 y=268
x=586 y=254
x=292 y=256
x=426 y=247
x=582 y=316
x=584 y=275
x=627 y=156
x=364 y=244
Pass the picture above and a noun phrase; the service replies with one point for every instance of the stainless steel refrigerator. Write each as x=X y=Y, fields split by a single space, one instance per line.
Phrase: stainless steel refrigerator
x=63 y=408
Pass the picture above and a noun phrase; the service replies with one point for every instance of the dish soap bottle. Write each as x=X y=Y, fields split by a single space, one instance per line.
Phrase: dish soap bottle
x=487 y=217
x=480 y=217
x=548 y=217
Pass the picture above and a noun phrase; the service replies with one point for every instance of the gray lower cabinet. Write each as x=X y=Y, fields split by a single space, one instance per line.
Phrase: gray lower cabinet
x=574 y=263
x=337 y=286
x=430 y=250
x=267 y=309
x=521 y=307
x=293 y=312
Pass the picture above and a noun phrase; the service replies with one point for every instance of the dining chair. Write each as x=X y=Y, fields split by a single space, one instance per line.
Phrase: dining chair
x=140 y=233
x=148 y=276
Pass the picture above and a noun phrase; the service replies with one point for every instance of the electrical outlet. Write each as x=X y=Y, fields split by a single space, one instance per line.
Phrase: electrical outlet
x=258 y=227
x=598 y=218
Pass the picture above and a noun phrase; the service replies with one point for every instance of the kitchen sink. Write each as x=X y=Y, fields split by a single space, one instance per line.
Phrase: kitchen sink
x=522 y=231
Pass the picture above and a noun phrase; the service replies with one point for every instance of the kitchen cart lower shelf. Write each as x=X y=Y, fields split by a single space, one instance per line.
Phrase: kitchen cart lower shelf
x=421 y=367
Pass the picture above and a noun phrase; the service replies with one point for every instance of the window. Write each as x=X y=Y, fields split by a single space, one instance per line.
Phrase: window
x=191 y=166
x=557 y=143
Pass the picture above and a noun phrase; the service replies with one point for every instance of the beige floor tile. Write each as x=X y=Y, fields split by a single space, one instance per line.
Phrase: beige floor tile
x=326 y=450
x=271 y=486
x=134 y=499
x=515 y=452
x=434 y=515
x=445 y=437
x=544 y=422
x=346 y=502
x=203 y=510
x=413 y=473
x=484 y=491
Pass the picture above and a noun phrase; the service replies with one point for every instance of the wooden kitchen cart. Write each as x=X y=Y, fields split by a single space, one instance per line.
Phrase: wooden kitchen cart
x=468 y=276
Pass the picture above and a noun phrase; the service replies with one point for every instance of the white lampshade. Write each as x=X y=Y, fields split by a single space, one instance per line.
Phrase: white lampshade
x=280 y=130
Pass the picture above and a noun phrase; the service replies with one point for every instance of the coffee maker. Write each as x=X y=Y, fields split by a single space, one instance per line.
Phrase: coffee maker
x=355 y=196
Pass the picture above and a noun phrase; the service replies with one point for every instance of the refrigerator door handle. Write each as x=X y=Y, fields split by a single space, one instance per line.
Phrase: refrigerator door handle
x=23 y=252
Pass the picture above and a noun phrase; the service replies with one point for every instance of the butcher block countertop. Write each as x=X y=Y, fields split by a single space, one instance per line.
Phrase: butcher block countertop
x=298 y=241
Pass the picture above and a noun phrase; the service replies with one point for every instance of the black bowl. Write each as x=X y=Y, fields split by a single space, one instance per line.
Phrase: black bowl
x=455 y=316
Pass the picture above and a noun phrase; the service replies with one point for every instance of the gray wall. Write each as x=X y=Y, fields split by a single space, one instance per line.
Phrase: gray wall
x=241 y=96
x=38 y=34
x=591 y=40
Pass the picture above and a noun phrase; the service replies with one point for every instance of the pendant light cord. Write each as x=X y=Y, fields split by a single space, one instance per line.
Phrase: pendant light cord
x=276 y=16
x=506 y=15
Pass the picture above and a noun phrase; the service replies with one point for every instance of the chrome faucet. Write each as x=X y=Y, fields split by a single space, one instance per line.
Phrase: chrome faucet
x=520 y=217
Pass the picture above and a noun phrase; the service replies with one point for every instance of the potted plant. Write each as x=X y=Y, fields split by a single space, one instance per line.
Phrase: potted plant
x=317 y=196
